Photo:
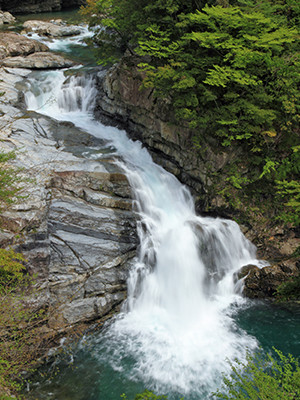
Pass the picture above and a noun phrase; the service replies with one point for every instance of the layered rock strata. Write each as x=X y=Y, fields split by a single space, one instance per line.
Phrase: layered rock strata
x=75 y=225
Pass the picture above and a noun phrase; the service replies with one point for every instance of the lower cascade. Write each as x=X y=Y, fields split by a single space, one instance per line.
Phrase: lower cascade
x=176 y=330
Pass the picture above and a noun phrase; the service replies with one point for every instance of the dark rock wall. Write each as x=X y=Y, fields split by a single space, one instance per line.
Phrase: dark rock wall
x=37 y=6
x=122 y=102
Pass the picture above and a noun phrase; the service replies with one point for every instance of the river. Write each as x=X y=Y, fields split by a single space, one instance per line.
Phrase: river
x=184 y=317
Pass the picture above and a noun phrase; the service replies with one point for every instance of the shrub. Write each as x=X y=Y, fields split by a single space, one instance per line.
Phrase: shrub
x=262 y=379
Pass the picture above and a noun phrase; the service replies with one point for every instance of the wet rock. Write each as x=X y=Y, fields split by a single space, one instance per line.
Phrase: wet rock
x=53 y=29
x=13 y=45
x=262 y=283
x=244 y=271
x=38 y=60
x=6 y=18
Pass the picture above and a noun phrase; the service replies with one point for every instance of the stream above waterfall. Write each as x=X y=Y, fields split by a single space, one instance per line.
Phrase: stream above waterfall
x=184 y=317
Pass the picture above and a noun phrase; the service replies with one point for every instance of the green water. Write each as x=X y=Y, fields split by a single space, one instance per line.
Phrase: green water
x=81 y=373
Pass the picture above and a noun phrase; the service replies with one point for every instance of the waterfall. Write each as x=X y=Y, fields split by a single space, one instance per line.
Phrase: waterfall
x=176 y=327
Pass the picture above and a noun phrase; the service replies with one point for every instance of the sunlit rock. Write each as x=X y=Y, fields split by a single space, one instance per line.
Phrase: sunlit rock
x=53 y=29
x=38 y=60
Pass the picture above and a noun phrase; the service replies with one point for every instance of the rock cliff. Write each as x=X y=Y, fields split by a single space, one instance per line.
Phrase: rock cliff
x=74 y=225
x=122 y=101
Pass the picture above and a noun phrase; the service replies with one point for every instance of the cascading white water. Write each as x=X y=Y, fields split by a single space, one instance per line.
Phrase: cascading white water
x=64 y=43
x=176 y=327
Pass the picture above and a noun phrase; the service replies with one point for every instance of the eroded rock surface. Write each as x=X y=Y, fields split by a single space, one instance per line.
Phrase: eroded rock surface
x=13 y=45
x=39 y=60
x=17 y=51
x=6 y=18
x=261 y=283
x=53 y=29
x=76 y=227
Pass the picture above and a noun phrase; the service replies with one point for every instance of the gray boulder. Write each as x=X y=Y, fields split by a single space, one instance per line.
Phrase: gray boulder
x=54 y=29
x=39 y=60
x=6 y=18
x=13 y=44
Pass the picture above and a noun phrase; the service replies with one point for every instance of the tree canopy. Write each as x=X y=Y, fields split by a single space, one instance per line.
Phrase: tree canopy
x=230 y=70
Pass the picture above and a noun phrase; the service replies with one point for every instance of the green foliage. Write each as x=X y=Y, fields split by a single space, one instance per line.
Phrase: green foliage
x=230 y=69
x=289 y=191
x=262 y=379
x=146 y=395
x=11 y=269
x=19 y=322
x=9 y=180
x=289 y=290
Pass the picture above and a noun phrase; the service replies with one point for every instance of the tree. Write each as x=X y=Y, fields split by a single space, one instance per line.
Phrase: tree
x=263 y=379
x=229 y=69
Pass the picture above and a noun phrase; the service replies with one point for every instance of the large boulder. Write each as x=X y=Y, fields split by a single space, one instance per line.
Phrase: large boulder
x=261 y=283
x=39 y=60
x=6 y=18
x=13 y=44
x=54 y=29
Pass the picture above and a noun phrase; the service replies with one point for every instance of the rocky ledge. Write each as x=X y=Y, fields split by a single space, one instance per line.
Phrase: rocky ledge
x=262 y=283
x=57 y=28
x=21 y=52
x=75 y=224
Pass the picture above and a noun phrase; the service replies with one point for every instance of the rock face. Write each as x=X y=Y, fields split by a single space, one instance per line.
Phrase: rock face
x=262 y=283
x=37 y=6
x=18 y=51
x=6 y=18
x=121 y=100
x=13 y=45
x=76 y=227
x=52 y=29
x=38 y=60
